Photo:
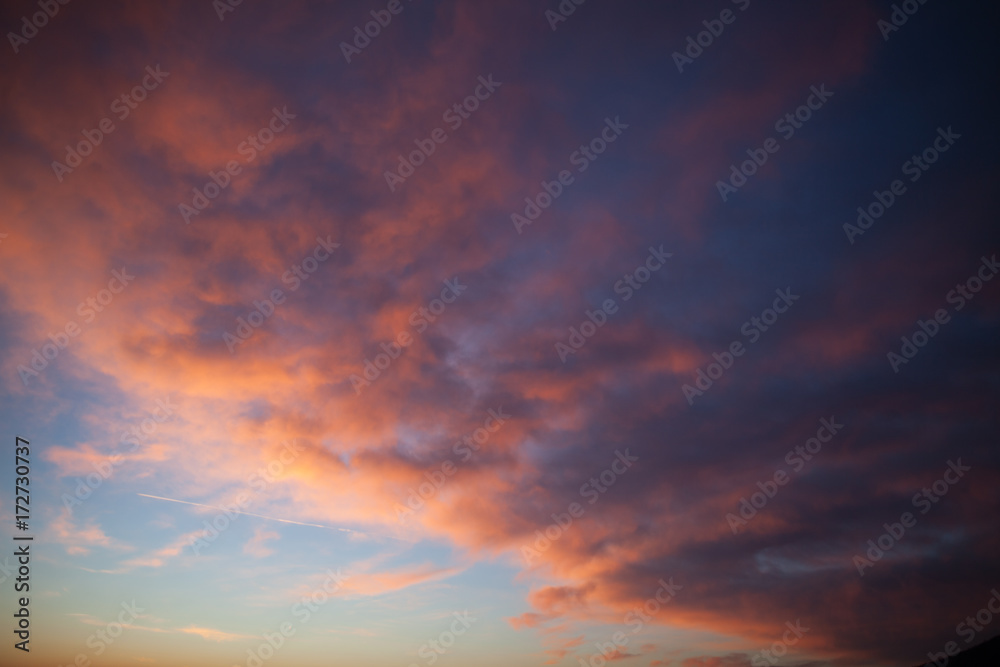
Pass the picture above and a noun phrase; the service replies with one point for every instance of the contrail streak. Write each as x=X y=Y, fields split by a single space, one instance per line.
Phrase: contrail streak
x=259 y=516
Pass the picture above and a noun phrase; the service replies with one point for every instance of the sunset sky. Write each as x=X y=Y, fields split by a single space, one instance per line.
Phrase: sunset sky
x=500 y=329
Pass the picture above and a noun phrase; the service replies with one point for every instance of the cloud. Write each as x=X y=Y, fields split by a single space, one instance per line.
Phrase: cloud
x=213 y=635
x=365 y=454
x=256 y=545
x=164 y=555
x=81 y=540
x=730 y=660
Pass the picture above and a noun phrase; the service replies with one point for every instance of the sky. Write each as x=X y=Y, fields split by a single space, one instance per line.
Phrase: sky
x=420 y=333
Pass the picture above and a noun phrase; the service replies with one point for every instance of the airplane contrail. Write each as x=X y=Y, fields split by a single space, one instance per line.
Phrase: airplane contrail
x=260 y=516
